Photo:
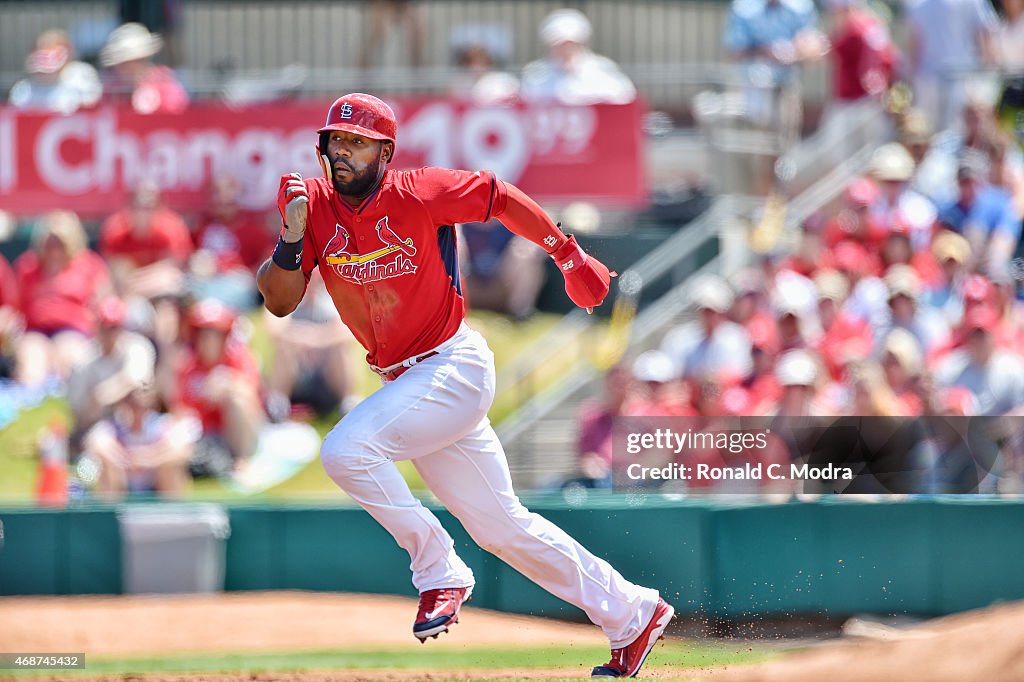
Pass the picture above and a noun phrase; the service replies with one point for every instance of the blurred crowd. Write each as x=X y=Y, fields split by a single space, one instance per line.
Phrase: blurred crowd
x=130 y=69
x=900 y=300
x=143 y=322
x=145 y=327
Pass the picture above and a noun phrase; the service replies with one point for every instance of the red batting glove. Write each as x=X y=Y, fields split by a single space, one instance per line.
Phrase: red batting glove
x=586 y=278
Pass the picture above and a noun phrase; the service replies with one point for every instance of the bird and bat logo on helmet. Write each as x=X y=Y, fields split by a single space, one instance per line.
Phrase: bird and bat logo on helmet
x=393 y=260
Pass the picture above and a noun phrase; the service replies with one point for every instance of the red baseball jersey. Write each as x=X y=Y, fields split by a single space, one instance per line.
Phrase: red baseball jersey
x=390 y=264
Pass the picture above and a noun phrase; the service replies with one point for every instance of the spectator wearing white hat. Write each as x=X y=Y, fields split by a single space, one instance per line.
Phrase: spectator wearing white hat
x=659 y=394
x=797 y=374
x=925 y=324
x=56 y=81
x=794 y=301
x=151 y=88
x=710 y=346
x=893 y=167
x=571 y=73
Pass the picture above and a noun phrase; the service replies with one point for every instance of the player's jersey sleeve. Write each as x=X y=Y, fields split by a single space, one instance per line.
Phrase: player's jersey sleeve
x=458 y=196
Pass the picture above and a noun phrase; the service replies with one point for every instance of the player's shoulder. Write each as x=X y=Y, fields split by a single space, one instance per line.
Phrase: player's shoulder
x=430 y=180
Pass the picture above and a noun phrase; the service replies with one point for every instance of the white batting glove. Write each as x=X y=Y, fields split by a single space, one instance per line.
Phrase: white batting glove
x=293 y=205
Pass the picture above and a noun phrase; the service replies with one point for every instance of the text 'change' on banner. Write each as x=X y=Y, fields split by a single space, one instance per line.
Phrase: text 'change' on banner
x=90 y=160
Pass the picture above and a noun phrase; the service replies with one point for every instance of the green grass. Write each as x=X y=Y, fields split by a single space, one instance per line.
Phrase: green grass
x=18 y=463
x=673 y=653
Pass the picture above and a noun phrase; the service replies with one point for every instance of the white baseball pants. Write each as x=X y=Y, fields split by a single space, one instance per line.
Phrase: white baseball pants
x=435 y=414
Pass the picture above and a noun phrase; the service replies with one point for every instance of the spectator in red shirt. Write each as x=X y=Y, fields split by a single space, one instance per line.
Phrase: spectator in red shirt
x=229 y=247
x=749 y=309
x=60 y=280
x=594 y=442
x=854 y=220
x=219 y=380
x=129 y=56
x=897 y=250
x=863 y=54
x=145 y=233
x=844 y=336
x=229 y=233
x=760 y=389
x=147 y=247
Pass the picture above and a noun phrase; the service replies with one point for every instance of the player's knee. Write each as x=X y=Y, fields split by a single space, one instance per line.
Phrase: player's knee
x=344 y=450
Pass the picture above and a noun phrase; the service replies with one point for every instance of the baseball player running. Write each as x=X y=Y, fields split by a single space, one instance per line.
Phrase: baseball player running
x=384 y=242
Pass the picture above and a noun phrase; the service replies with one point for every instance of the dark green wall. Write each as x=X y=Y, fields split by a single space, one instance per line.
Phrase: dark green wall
x=60 y=552
x=835 y=556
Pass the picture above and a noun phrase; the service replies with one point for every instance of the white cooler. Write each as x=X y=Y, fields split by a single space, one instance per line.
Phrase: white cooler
x=173 y=548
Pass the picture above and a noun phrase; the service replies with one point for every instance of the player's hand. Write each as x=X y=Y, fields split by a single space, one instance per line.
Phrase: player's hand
x=293 y=204
x=586 y=279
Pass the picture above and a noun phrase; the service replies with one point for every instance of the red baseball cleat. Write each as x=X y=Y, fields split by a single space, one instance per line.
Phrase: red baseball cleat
x=626 y=662
x=438 y=610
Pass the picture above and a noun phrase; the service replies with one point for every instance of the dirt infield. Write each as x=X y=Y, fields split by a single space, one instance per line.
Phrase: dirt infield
x=979 y=645
x=982 y=645
x=250 y=622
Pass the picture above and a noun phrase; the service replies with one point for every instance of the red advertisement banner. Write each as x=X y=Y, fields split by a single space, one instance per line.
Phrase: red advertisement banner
x=89 y=161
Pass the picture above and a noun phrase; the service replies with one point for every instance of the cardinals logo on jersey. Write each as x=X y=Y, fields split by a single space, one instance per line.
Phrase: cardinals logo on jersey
x=394 y=260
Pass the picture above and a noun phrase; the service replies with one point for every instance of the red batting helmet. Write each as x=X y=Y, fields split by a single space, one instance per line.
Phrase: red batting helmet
x=362 y=115
x=359 y=114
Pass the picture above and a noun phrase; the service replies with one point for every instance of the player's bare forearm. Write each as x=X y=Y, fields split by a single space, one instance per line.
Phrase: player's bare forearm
x=282 y=289
x=524 y=216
